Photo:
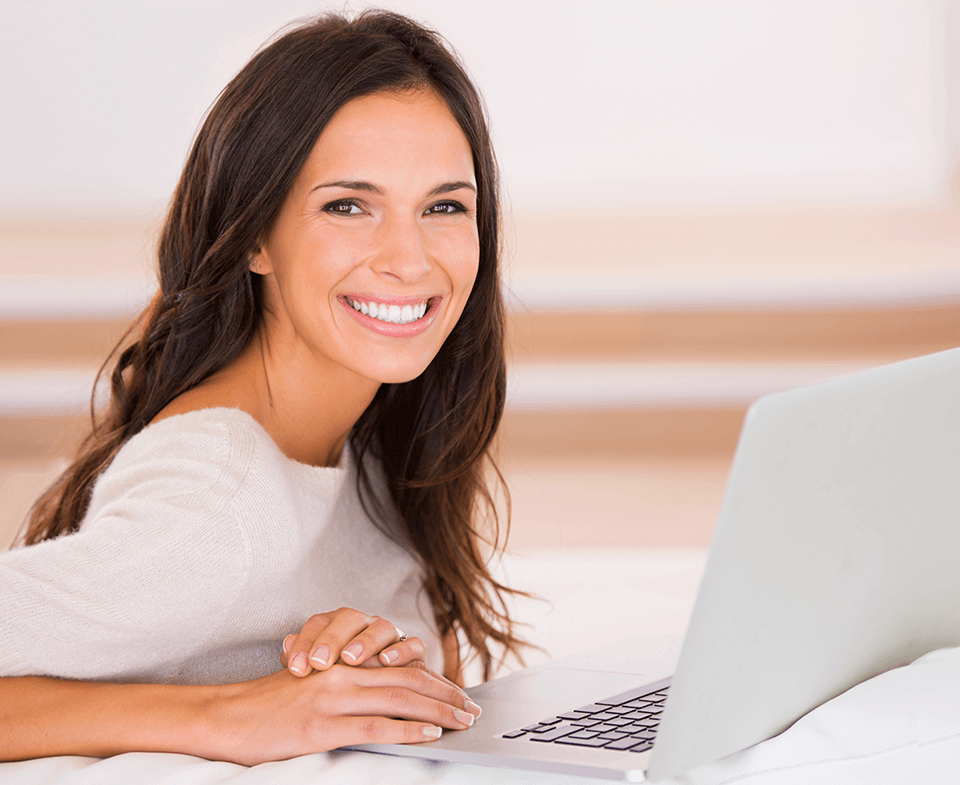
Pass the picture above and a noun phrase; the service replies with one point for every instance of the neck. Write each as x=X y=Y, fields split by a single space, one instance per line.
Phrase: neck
x=308 y=408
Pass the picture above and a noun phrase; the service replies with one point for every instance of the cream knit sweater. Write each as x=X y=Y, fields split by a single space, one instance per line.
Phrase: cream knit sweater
x=202 y=548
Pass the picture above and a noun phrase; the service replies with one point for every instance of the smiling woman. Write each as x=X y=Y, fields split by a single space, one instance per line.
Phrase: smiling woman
x=292 y=468
x=382 y=215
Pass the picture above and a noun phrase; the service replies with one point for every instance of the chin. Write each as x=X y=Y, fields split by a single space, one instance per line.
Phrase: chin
x=401 y=377
x=398 y=374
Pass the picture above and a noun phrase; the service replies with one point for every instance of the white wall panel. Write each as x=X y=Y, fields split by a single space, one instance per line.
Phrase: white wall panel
x=657 y=102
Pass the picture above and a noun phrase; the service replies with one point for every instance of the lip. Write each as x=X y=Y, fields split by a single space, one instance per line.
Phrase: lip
x=408 y=330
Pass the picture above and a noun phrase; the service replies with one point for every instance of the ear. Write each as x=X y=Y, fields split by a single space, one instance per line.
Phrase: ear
x=259 y=263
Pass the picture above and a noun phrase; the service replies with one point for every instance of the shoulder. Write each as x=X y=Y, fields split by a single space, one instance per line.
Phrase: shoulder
x=203 y=452
x=220 y=434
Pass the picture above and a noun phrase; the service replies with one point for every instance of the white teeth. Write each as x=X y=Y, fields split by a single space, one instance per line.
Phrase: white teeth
x=394 y=314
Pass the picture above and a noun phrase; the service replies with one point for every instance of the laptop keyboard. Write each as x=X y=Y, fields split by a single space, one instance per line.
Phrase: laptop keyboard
x=627 y=721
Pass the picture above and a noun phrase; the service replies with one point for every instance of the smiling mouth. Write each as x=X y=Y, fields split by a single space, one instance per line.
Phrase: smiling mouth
x=394 y=314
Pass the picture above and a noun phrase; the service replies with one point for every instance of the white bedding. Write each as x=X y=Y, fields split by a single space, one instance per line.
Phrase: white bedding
x=900 y=727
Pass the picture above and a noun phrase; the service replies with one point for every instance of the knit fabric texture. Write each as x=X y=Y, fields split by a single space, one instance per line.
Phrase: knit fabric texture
x=202 y=548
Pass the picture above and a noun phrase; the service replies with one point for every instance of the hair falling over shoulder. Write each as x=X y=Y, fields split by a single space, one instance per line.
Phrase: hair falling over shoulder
x=433 y=435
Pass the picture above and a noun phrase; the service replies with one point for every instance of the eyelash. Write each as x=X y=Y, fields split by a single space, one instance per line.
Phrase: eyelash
x=336 y=207
x=457 y=208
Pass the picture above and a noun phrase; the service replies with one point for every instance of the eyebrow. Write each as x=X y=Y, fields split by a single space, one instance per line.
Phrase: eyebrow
x=456 y=185
x=362 y=185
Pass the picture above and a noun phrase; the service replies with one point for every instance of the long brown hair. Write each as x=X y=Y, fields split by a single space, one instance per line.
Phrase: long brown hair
x=433 y=435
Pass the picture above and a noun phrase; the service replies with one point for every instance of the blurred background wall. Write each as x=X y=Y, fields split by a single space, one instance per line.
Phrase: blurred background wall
x=705 y=202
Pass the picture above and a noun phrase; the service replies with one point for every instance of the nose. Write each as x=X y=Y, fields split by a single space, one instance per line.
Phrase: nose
x=401 y=255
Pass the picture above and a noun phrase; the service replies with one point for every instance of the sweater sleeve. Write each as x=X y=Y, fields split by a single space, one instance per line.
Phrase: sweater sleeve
x=155 y=568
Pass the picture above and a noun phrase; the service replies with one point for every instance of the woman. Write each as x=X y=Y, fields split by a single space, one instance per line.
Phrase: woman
x=291 y=470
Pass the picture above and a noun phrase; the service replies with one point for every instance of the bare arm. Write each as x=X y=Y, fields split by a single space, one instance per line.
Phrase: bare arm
x=41 y=716
x=273 y=718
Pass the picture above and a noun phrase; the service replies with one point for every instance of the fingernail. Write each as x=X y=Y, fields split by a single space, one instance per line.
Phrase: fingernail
x=465 y=717
x=352 y=652
x=389 y=656
x=287 y=641
x=472 y=705
x=299 y=664
x=432 y=731
x=321 y=655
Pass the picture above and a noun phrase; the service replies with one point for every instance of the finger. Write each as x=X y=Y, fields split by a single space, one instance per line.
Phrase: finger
x=404 y=652
x=285 y=647
x=415 y=693
x=365 y=647
x=408 y=704
x=300 y=651
x=423 y=666
x=351 y=637
x=382 y=730
x=417 y=663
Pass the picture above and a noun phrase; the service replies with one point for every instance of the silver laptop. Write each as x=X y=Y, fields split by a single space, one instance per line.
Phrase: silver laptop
x=835 y=558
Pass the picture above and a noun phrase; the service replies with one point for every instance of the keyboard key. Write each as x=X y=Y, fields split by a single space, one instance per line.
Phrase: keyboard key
x=626 y=744
x=514 y=734
x=642 y=747
x=614 y=735
x=573 y=715
x=592 y=707
x=583 y=734
x=553 y=735
x=637 y=728
x=603 y=727
x=629 y=695
x=618 y=721
x=595 y=742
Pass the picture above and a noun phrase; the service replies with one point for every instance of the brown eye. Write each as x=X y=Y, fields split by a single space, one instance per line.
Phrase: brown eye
x=445 y=208
x=343 y=207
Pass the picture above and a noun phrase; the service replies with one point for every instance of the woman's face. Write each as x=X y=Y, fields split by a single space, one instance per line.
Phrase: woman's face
x=375 y=250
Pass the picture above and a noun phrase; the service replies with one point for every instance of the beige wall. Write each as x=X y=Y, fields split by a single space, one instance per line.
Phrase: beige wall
x=705 y=202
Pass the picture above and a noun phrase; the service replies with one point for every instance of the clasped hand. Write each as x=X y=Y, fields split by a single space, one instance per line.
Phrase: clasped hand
x=348 y=679
x=352 y=637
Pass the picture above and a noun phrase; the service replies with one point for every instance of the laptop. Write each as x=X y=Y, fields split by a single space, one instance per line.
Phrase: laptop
x=834 y=559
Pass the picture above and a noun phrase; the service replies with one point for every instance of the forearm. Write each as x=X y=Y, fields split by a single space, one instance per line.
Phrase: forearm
x=271 y=718
x=41 y=716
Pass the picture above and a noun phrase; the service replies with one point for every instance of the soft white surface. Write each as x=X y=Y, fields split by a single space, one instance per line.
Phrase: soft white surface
x=900 y=727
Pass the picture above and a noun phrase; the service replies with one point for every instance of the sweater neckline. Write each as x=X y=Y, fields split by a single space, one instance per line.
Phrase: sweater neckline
x=231 y=414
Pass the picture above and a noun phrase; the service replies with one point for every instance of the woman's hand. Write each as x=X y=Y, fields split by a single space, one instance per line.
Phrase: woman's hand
x=353 y=638
x=272 y=718
x=281 y=716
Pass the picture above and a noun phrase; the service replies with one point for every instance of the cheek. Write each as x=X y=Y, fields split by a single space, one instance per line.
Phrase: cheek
x=333 y=254
x=463 y=260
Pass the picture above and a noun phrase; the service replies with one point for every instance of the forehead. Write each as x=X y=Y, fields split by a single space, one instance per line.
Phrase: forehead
x=401 y=132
